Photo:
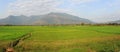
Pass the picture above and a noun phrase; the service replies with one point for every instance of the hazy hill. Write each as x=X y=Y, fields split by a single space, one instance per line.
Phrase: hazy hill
x=117 y=21
x=51 y=18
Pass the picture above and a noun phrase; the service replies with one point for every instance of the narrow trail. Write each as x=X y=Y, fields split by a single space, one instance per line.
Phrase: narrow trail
x=11 y=45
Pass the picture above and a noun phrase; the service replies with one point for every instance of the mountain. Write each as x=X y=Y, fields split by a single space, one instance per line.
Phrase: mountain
x=51 y=18
x=15 y=20
x=117 y=21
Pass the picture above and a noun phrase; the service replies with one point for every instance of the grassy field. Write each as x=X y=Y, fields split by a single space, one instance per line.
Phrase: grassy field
x=63 y=38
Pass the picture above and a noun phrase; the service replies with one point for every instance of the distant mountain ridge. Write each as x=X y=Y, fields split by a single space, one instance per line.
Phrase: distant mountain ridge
x=117 y=21
x=51 y=18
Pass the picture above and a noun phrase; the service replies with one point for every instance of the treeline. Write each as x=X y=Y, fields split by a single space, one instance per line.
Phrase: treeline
x=102 y=24
x=81 y=24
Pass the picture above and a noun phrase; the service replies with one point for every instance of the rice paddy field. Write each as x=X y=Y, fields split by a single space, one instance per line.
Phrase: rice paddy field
x=62 y=38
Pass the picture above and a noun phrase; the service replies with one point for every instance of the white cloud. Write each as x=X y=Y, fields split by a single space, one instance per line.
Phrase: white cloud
x=38 y=7
x=81 y=1
x=32 y=7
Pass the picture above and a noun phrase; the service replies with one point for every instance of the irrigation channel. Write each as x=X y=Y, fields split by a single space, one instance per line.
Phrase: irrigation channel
x=11 y=45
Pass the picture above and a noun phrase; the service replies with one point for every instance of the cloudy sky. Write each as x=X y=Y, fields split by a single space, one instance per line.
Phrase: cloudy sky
x=95 y=10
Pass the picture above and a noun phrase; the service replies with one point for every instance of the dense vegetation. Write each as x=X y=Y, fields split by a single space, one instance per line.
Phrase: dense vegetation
x=63 y=38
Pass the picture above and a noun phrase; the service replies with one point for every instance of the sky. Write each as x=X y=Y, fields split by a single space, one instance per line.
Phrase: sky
x=95 y=10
